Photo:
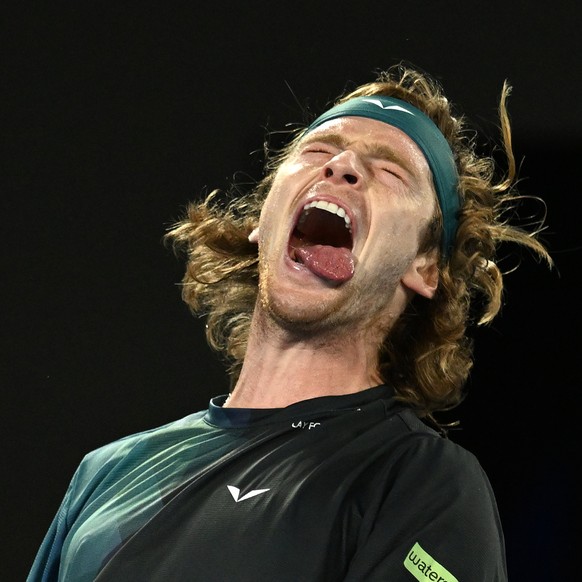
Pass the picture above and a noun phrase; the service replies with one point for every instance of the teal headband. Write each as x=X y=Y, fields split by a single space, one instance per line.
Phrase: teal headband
x=427 y=136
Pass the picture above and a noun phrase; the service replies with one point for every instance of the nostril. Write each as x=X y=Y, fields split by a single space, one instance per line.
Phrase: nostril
x=350 y=178
x=328 y=172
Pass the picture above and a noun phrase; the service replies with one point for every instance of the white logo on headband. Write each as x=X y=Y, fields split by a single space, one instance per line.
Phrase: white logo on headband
x=379 y=104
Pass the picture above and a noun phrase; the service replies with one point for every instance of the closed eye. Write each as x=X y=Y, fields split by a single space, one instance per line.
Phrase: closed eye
x=320 y=148
x=393 y=171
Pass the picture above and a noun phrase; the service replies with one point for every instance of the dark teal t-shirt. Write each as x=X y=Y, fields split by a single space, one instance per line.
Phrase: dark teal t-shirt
x=343 y=488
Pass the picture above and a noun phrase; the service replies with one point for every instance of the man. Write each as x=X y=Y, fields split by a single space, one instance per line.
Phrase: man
x=340 y=290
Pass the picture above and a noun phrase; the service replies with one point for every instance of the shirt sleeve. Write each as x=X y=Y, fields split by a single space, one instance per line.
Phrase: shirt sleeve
x=434 y=519
x=47 y=562
x=97 y=468
x=45 y=567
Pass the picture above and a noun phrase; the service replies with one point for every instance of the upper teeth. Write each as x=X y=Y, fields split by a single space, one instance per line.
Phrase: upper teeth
x=330 y=207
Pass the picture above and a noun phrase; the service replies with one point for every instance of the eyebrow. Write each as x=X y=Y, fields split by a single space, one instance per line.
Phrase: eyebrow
x=374 y=150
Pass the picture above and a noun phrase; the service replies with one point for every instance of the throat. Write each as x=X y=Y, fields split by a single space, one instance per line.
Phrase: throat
x=303 y=371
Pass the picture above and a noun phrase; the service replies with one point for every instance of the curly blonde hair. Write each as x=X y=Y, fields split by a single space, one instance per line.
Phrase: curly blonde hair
x=427 y=355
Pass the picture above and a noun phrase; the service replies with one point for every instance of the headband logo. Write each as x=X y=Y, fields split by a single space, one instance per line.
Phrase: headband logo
x=379 y=104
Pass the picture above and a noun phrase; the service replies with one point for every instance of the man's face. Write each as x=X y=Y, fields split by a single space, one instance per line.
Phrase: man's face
x=353 y=263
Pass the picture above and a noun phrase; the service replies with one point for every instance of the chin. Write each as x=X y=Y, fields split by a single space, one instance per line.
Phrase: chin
x=305 y=313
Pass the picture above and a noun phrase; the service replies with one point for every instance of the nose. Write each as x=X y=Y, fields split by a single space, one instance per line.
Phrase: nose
x=343 y=168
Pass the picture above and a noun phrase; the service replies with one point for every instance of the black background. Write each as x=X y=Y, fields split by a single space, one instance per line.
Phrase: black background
x=116 y=113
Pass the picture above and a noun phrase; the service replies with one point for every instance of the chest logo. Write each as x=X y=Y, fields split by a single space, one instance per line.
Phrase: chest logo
x=304 y=424
x=235 y=492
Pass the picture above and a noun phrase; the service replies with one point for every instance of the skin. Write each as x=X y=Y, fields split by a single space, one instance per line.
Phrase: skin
x=310 y=337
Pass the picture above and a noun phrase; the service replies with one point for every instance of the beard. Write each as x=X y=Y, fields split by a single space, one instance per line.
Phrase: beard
x=331 y=312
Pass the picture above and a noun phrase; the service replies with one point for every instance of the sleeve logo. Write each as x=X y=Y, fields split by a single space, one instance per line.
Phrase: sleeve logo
x=425 y=568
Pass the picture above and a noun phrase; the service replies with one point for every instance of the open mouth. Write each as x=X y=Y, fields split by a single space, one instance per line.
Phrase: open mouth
x=322 y=241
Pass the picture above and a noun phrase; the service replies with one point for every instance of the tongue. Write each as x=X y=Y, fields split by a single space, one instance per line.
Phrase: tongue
x=331 y=263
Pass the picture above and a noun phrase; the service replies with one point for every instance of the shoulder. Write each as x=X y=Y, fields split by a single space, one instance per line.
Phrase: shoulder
x=121 y=454
x=420 y=452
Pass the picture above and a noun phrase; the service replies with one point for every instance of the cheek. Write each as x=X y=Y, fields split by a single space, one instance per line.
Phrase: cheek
x=405 y=224
x=276 y=208
x=275 y=196
x=268 y=209
x=399 y=231
x=273 y=221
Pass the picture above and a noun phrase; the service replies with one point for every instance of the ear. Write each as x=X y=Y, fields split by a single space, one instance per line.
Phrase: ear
x=422 y=276
x=254 y=236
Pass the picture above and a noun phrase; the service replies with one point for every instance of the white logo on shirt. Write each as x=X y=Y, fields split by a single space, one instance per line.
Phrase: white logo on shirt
x=304 y=424
x=235 y=492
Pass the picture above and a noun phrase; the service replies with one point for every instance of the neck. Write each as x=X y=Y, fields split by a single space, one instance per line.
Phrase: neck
x=281 y=368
